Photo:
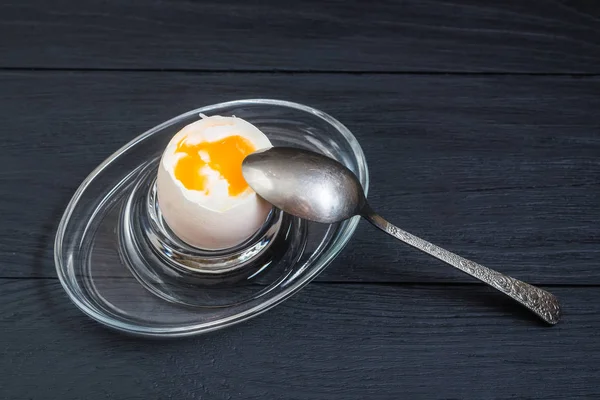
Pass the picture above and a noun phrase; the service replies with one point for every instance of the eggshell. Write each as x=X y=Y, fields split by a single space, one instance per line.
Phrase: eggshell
x=215 y=220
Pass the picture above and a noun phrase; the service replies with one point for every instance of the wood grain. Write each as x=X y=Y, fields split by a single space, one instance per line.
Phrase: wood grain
x=530 y=36
x=335 y=341
x=504 y=170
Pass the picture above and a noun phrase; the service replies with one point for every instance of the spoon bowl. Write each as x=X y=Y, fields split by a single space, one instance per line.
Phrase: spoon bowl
x=305 y=184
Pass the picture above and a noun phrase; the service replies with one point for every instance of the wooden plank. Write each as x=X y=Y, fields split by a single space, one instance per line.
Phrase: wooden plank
x=504 y=170
x=436 y=35
x=330 y=341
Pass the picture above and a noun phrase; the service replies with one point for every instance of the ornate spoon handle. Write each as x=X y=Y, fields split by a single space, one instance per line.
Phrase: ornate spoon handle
x=541 y=302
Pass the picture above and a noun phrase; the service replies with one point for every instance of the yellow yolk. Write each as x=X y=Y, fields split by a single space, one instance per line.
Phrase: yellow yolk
x=224 y=156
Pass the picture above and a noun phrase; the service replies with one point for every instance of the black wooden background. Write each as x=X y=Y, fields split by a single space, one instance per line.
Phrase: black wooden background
x=481 y=125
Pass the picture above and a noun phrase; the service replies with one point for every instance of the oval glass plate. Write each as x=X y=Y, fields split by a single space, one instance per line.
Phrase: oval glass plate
x=121 y=266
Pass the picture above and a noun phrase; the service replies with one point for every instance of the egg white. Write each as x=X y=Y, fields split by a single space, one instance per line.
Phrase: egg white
x=210 y=220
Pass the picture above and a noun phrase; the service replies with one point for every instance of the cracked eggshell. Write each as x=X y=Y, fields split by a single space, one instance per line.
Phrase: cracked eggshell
x=215 y=220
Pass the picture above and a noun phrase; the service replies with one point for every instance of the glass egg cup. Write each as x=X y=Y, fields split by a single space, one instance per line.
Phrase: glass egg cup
x=121 y=265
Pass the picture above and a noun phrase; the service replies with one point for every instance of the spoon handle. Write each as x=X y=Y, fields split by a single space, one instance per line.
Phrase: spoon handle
x=541 y=302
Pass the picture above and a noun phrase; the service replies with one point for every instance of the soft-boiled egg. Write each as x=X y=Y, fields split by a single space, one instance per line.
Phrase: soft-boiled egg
x=202 y=194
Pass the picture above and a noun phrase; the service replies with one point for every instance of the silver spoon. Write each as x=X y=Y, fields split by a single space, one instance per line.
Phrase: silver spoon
x=317 y=188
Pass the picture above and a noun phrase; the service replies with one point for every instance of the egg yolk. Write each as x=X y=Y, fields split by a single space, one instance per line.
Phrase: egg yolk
x=224 y=156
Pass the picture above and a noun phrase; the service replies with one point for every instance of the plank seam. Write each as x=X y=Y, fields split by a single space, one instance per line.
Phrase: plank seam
x=356 y=283
x=302 y=72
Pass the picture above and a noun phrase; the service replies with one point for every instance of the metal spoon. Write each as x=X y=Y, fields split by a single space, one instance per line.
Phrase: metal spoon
x=317 y=188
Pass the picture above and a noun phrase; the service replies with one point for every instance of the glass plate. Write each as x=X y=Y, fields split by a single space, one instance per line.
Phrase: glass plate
x=120 y=264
